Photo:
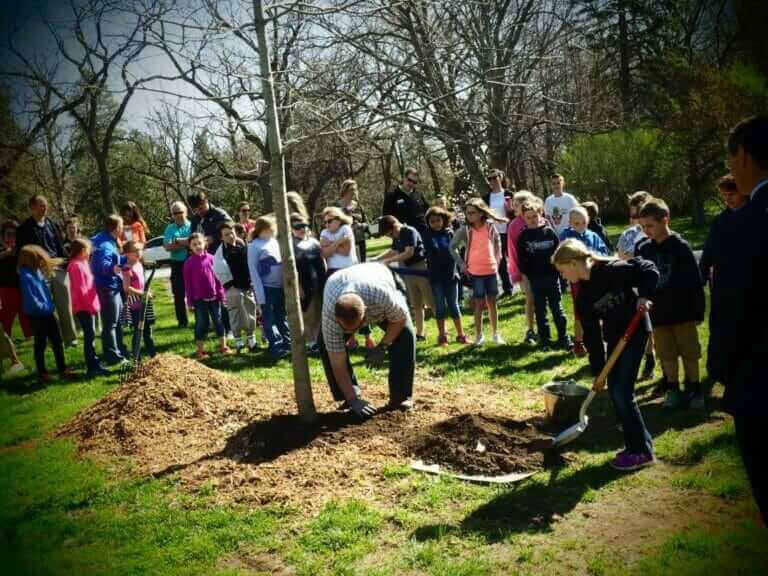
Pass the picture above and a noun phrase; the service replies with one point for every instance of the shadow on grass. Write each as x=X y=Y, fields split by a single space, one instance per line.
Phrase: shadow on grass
x=502 y=360
x=603 y=435
x=526 y=508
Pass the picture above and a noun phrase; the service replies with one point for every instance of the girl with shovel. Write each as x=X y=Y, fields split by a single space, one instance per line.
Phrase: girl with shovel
x=611 y=291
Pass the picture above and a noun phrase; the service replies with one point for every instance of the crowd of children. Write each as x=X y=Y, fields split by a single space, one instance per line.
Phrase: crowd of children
x=540 y=244
x=233 y=273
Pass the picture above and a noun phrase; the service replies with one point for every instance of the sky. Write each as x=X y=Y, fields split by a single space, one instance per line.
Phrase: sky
x=35 y=41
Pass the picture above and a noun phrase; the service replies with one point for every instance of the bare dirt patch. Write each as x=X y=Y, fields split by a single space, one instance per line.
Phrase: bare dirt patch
x=482 y=444
x=213 y=428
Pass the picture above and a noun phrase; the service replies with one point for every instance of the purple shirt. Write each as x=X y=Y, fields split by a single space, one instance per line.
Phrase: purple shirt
x=200 y=283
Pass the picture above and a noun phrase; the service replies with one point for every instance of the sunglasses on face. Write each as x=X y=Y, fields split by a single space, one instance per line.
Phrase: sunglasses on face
x=178 y=213
x=489 y=178
x=412 y=181
x=300 y=226
x=245 y=209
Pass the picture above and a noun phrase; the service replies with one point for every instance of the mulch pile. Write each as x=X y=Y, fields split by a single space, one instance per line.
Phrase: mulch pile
x=212 y=428
x=488 y=445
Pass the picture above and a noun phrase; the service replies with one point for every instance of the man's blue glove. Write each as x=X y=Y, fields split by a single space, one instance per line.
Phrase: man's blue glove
x=362 y=409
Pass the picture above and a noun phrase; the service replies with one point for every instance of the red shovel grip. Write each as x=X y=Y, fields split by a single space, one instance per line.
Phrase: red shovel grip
x=633 y=324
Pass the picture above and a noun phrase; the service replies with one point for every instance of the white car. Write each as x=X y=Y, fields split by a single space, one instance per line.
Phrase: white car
x=155 y=253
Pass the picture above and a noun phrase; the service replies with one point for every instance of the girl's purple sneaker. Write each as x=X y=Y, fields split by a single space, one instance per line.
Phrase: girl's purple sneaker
x=626 y=462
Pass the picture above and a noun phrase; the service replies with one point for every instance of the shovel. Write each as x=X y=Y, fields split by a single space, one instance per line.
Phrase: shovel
x=570 y=434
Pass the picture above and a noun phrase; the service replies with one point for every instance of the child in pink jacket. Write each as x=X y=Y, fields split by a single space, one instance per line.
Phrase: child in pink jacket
x=514 y=229
x=204 y=295
x=85 y=302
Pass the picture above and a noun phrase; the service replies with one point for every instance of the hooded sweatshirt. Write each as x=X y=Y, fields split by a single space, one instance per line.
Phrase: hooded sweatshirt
x=36 y=298
x=265 y=265
x=200 y=283
x=104 y=258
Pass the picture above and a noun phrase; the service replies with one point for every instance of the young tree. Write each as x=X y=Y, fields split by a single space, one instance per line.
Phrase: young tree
x=301 y=380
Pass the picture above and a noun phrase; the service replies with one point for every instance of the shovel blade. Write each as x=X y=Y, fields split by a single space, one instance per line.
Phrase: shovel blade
x=570 y=434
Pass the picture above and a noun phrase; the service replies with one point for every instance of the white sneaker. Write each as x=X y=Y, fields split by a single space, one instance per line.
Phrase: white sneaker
x=17 y=368
x=480 y=341
x=497 y=339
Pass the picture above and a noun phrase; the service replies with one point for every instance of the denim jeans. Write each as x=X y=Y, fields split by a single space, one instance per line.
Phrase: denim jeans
x=402 y=365
x=546 y=291
x=46 y=328
x=484 y=286
x=207 y=311
x=112 y=346
x=446 y=296
x=87 y=323
x=621 y=388
x=275 y=321
x=149 y=342
x=177 y=287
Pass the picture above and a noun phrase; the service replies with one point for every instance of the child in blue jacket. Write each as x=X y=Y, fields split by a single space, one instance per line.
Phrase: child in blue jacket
x=34 y=265
x=578 y=228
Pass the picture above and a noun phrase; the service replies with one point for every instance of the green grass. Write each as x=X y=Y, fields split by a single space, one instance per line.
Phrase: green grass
x=62 y=514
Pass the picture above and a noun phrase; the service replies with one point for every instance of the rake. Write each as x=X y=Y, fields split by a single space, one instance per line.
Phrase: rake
x=134 y=368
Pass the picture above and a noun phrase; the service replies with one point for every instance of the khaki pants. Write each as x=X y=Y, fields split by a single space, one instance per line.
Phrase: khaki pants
x=419 y=289
x=242 y=311
x=677 y=340
x=62 y=299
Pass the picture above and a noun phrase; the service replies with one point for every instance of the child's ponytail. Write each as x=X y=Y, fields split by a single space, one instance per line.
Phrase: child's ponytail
x=36 y=258
x=573 y=250
x=486 y=212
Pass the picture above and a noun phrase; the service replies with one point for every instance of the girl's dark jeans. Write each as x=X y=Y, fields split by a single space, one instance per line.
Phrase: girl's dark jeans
x=621 y=388
x=88 y=324
x=45 y=328
x=207 y=311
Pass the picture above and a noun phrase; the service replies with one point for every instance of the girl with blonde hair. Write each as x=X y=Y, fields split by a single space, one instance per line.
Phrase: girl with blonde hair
x=610 y=292
x=35 y=268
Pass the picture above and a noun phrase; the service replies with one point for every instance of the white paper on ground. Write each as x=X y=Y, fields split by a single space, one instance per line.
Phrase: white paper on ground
x=419 y=466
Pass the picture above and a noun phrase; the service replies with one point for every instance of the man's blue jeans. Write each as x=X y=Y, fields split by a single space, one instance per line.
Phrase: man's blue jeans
x=112 y=344
x=402 y=365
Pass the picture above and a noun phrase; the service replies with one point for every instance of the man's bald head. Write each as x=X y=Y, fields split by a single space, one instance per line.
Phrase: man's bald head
x=350 y=311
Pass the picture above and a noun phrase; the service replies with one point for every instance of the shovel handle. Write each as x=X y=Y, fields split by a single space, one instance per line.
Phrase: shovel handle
x=628 y=333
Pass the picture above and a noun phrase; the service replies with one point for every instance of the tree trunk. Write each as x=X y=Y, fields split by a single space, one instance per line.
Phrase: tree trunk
x=105 y=186
x=301 y=380
x=433 y=174
x=625 y=86
x=695 y=190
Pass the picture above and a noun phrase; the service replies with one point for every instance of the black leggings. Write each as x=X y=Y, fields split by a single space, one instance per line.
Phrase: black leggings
x=46 y=328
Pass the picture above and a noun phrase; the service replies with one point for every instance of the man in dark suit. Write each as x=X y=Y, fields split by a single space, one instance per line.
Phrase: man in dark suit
x=407 y=204
x=748 y=162
x=40 y=230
